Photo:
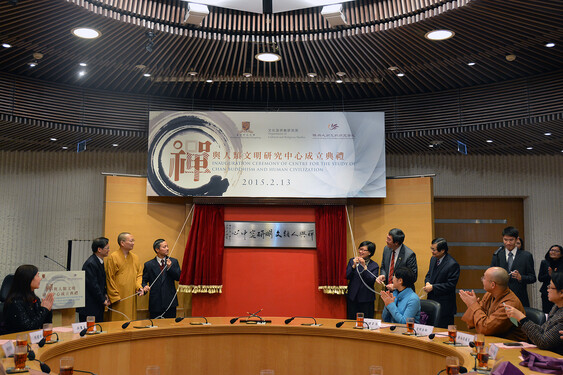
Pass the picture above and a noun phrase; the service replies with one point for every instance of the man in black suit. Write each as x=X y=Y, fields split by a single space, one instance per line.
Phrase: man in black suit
x=159 y=276
x=96 y=297
x=518 y=263
x=441 y=281
x=396 y=255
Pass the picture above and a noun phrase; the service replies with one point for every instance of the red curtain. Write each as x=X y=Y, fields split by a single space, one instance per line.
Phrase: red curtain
x=330 y=227
x=202 y=267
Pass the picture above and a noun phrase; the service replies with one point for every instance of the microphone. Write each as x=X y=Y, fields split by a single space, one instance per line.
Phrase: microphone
x=431 y=336
x=235 y=319
x=126 y=324
x=180 y=318
x=85 y=330
x=289 y=320
x=250 y=321
x=31 y=356
x=30 y=353
x=392 y=328
x=339 y=324
x=462 y=370
x=52 y=260
x=43 y=341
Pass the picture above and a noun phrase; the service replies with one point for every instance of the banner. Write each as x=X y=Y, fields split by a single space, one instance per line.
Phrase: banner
x=266 y=234
x=68 y=288
x=267 y=154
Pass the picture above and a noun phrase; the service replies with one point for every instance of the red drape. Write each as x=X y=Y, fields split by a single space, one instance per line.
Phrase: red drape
x=202 y=267
x=330 y=225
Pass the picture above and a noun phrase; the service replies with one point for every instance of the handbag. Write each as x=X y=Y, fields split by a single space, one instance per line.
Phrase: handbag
x=542 y=363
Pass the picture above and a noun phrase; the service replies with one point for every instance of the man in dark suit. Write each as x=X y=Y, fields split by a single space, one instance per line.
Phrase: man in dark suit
x=96 y=297
x=441 y=281
x=396 y=255
x=518 y=263
x=159 y=276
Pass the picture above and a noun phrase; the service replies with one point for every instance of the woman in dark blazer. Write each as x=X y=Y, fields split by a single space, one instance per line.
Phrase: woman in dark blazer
x=361 y=272
x=553 y=262
x=23 y=310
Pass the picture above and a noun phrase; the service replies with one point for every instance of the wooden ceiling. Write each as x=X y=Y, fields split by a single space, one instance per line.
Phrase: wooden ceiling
x=381 y=34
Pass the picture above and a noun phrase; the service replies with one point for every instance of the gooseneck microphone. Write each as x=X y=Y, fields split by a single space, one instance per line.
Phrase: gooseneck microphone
x=85 y=330
x=339 y=324
x=431 y=336
x=43 y=341
x=126 y=324
x=462 y=370
x=289 y=320
x=31 y=356
x=180 y=318
x=52 y=260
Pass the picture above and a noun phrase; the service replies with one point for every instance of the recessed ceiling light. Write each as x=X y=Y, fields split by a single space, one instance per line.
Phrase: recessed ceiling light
x=400 y=74
x=489 y=141
x=439 y=34
x=550 y=45
x=470 y=63
x=529 y=148
x=86 y=32
x=115 y=145
x=81 y=73
x=312 y=74
x=247 y=75
x=140 y=66
x=209 y=80
x=510 y=57
x=192 y=73
x=268 y=57
x=32 y=64
x=53 y=139
x=392 y=68
x=146 y=75
x=338 y=81
x=64 y=148
x=83 y=64
x=6 y=45
x=548 y=133
x=340 y=74
x=430 y=145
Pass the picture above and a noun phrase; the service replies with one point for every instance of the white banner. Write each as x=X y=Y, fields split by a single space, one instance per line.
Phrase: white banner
x=267 y=154
x=68 y=288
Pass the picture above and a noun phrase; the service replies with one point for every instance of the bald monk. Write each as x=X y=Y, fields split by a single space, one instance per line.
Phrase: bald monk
x=488 y=316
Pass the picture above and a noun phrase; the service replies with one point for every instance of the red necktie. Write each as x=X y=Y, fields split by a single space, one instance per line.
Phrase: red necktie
x=162 y=264
x=391 y=268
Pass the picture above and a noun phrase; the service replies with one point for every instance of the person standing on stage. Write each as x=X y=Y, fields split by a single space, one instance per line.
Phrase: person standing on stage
x=123 y=278
x=96 y=296
x=517 y=262
x=395 y=255
x=360 y=270
x=441 y=281
x=162 y=296
x=553 y=262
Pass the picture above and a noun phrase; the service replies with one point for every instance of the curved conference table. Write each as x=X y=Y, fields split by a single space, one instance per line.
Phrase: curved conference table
x=224 y=348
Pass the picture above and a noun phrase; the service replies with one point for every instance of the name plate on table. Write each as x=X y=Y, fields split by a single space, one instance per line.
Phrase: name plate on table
x=423 y=329
x=269 y=234
x=464 y=338
x=35 y=337
x=493 y=351
x=8 y=347
x=77 y=327
x=372 y=323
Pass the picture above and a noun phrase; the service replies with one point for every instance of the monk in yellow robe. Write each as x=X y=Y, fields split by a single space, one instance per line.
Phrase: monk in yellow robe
x=124 y=275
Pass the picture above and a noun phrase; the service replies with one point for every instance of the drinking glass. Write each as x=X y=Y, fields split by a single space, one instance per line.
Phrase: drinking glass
x=48 y=332
x=452 y=365
x=410 y=326
x=483 y=358
x=20 y=356
x=91 y=323
x=21 y=339
x=479 y=342
x=452 y=333
x=66 y=366
x=360 y=320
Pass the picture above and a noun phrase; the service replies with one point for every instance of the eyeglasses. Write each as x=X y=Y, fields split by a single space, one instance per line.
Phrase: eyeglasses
x=554 y=250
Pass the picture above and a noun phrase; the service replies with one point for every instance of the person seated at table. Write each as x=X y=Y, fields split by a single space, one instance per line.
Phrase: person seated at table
x=403 y=303
x=23 y=310
x=488 y=316
x=545 y=336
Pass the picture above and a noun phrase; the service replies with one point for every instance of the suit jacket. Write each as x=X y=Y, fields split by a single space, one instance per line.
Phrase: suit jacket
x=357 y=291
x=95 y=288
x=444 y=280
x=164 y=289
x=524 y=263
x=407 y=258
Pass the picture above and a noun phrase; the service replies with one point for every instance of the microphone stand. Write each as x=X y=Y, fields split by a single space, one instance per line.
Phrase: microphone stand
x=44 y=341
x=52 y=260
x=85 y=331
x=289 y=320
x=249 y=320
x=179 y=319
x=126 y=324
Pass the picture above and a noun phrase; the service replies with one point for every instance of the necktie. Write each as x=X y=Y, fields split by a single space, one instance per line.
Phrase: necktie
x=510 y=260
x=162 y=264
x=391 y=268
